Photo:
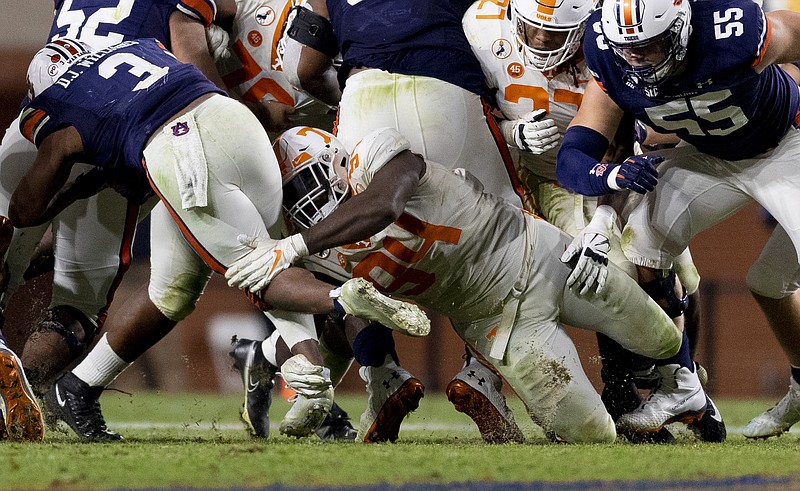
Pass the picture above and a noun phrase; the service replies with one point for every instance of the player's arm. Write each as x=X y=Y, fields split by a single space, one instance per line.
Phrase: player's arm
x=578 y=164
x=372 y=210
x=309 y=53
x=781 y=45
x=33 y=201
x=189 y=45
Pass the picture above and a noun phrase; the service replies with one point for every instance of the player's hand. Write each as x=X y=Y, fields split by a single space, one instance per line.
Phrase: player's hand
x=532 y=133
x=267 y=258
x=218 y=39
x=304 y=377
x=637 y=173
x=591 y=246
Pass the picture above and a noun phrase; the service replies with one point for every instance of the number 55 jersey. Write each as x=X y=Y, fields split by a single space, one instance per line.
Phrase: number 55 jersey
x=717 y=101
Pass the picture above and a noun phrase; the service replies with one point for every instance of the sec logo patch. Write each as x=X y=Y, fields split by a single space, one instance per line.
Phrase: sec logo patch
x=255 y=38
x=265 y=15
x=515 y=70
x=501 y=48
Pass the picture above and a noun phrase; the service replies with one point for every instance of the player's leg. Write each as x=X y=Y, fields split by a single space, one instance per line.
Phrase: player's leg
x=774 y=280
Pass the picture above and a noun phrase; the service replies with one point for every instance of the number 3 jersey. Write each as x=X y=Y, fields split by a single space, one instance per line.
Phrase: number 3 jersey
x=454 y=249
x=520 y=89
x=717 y=102
x=116 y=99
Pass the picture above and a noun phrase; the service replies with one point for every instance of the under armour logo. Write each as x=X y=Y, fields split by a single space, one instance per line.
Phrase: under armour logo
x=180 y=128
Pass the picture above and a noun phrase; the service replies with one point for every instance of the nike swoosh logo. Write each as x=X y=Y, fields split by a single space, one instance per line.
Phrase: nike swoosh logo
x=252 y=386
x=278 y=254
x=61 y=402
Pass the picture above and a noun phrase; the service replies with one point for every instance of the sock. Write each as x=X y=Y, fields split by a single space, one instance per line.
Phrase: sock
x=682 y=358
x=269 y=348
x=373 y=344
x=796 y=373
x=101 y=366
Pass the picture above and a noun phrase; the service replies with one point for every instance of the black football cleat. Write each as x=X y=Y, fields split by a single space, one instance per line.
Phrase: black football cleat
x=258 y=379
x=78 y=405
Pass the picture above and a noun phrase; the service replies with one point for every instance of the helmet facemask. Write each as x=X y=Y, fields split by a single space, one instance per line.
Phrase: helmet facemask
x=563 y=23
x=312 y=189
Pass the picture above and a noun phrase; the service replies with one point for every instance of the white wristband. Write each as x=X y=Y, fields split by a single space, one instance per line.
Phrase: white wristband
x=604 y=216
x=299 y=245
x=611 y=180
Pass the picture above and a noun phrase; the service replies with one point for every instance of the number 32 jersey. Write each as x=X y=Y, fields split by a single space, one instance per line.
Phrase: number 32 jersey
x=521 y=90
x=454 y=249
x=719 y=102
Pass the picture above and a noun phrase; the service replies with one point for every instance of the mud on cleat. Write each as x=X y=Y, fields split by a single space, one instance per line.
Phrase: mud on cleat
x=22 y=416
x=78 y=405
x=257 y=376
x=336 y=426
x=392 y=393
x=778 y=419
x=678 y=398
x=360 y=298
x=477 y=392
x=313 y=400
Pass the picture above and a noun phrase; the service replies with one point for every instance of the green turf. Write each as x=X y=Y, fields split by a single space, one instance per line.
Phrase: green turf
x=195 y=441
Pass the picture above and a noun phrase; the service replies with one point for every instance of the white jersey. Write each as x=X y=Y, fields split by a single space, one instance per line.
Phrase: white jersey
x=254 y=71
x=455 y=249
x=520 y=89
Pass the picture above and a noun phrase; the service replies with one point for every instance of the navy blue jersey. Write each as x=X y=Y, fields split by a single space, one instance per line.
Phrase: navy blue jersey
x=717 y=102
x=116 y=98
x=411 y=37
x=102 y=23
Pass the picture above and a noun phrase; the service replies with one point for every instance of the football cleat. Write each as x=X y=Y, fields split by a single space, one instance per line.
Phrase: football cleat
x=678 y=398
x=392 y=393
x=21 y=413
x=78 y=405
x=778 y=419
x=306 y=414
x=258 y=378
x=336 y=426
x=476 y=392
x=710 y=427
x=359 y=297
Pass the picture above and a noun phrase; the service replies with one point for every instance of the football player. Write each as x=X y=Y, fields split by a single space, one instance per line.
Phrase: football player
x=531 y=54
x=219 y=190
x=651 y=58
x=409 y=221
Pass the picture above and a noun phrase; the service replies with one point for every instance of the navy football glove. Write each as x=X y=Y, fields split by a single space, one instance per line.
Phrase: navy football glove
x=637 y=173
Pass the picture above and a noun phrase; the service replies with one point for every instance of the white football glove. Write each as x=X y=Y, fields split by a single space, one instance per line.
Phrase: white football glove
x=217 y=39
x=532 y=133
x=593 y=244
x=304 y=377
x=269 y=257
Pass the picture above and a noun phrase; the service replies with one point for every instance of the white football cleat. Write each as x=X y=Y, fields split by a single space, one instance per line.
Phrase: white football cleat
x=476 y=392
x=679 y=398
x=393 y=393
x=360 y=298
x=778 y=419
x=313 y=400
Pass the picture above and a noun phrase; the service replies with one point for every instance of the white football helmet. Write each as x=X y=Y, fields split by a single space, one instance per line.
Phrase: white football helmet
x=314 y=168
x=51 y=62
x=637 y=24
x=559 y=18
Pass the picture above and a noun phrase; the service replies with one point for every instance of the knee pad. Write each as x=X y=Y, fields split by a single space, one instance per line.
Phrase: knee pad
x=768 y=282
x=178 y=299
x=664 y=289
x=77 y=329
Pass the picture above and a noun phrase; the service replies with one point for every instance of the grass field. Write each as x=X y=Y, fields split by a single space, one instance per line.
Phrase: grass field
x=196 y=440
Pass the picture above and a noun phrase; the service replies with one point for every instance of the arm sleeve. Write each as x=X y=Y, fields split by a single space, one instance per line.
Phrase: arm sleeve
x=578 y=166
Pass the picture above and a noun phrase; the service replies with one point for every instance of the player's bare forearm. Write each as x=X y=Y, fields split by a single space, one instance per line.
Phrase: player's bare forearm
x=784 y=33
x=189 y=46
x=372 y=210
